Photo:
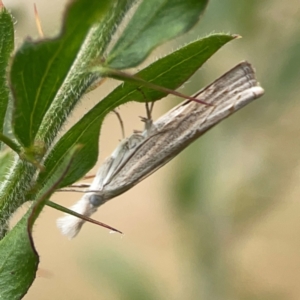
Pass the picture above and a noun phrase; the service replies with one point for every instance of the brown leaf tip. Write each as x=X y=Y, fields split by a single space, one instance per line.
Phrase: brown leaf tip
x=237 y=36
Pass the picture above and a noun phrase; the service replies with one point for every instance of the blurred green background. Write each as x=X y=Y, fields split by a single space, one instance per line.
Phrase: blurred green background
x=222 y=220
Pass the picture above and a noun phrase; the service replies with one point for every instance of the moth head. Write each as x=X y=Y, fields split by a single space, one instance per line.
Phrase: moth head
x=96 y=200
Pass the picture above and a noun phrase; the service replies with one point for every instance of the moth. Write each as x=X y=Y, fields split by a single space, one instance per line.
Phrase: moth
x=140 y=155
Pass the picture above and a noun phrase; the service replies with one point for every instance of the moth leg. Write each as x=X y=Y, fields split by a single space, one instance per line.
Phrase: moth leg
x=121 y=122
x=149 y=109
x=148 y=119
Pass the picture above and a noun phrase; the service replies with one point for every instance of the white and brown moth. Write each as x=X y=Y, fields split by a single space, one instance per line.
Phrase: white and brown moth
x=140 y=155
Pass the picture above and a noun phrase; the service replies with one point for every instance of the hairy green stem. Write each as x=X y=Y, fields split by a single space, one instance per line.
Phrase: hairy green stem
x=12 y=191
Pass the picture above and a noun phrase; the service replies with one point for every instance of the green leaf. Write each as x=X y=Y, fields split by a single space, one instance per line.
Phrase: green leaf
x=6 y=47
x=40 y=68
x=154 y=22
x=19 y=259
x=170 y=71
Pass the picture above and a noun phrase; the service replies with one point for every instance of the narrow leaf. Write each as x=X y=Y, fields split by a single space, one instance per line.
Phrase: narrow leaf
x=6 y=47
x=80 y=216
x=154 y=22
x=170 y=71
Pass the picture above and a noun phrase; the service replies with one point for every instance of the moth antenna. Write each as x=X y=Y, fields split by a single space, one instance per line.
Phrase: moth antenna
x=71 y=190
x=80 y=185
x=77 y=190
